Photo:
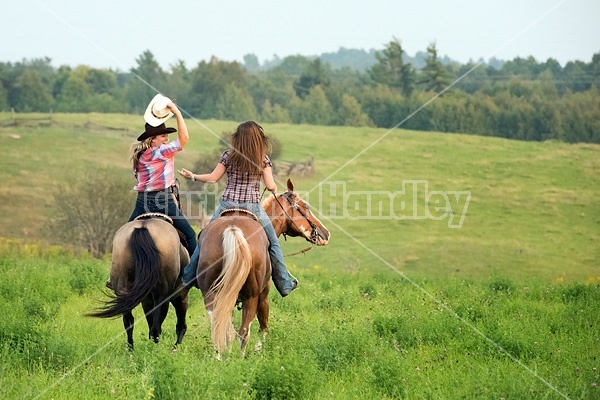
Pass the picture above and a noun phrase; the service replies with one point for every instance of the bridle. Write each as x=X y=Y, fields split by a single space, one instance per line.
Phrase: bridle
x=314 y=235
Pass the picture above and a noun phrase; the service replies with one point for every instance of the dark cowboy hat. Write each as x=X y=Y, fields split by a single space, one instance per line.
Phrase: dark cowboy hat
x=155 y=130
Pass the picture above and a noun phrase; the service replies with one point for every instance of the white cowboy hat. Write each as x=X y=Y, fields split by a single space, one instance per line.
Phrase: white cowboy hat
x=157 y=112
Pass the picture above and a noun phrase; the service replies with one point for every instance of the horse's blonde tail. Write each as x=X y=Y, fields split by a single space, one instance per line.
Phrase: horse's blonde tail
x=237 y=261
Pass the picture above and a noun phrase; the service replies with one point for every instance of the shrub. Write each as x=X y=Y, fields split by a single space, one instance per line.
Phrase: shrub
x=89 y=214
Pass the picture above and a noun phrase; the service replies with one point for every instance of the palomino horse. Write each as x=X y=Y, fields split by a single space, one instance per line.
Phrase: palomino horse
x=234 y=262
x=146 y=260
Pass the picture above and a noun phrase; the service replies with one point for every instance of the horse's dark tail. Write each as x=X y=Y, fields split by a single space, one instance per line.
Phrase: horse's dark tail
x=146 y=264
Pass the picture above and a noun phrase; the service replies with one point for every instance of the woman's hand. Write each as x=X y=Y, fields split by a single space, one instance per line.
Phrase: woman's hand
x=173 y=108
x=185 y=173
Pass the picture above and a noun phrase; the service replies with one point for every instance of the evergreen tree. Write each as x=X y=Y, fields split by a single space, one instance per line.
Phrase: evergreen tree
x=149 y=79
x=316 y=73
x=391 y=70
x=434 y=76
x=178 y=83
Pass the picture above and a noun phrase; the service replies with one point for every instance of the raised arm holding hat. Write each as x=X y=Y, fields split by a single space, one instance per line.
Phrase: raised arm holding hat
x=153 y=163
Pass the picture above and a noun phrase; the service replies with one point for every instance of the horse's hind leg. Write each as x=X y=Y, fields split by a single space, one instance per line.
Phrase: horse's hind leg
x=263 y=318
x=155 y=315
x=263 y=312
x=249 y=307
x=159 y=316
x=181 y=305
x=149 y=313
x=128 y=324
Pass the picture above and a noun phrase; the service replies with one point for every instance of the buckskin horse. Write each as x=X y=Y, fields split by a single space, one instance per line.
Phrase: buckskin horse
x=234 y=264
x=146 y=260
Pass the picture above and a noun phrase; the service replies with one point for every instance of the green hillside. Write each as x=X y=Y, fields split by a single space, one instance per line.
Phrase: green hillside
x=411 y=302
x=532 y=210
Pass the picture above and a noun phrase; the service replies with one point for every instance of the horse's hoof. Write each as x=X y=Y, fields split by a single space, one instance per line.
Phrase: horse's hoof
x=258 y=347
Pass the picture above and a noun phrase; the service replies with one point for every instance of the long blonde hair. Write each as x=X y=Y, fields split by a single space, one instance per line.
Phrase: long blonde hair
x=137 y=149
x=250 y=145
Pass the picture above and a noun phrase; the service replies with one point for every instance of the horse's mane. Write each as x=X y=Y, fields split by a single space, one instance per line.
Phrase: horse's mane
x=267 y=202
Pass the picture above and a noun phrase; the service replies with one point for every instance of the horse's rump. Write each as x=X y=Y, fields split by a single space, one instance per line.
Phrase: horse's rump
x=143 y=262
x=211 y=248
x=234 y=264
x=146 y=262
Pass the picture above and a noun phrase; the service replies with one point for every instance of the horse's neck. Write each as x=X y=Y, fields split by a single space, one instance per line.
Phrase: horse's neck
x=277 y=216
x=279 y=222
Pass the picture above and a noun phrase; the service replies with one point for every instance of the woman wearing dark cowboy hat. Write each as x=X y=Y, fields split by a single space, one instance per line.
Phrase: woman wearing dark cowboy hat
x=153 y=161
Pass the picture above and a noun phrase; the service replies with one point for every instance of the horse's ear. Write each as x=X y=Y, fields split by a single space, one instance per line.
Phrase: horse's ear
x=290 y=185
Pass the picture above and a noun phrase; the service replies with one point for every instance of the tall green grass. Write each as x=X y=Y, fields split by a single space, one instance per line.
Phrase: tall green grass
x=344 y=336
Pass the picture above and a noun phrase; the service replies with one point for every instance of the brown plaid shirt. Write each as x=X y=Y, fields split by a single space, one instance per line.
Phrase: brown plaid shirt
x=241 y=187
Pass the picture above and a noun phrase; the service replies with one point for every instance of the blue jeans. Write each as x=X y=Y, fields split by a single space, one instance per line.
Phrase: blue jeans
x=162 y=202
x=281 y=276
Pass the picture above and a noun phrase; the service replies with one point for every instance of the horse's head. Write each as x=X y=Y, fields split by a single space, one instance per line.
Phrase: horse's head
x=296 y=219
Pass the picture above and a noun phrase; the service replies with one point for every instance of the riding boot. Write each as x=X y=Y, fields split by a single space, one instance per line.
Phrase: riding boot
x=283 y=280
x=189 y=278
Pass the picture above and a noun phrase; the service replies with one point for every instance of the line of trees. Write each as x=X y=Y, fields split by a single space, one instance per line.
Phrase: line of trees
x=523 y=99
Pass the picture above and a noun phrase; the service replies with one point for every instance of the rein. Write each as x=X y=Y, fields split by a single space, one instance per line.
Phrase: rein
x=299 y=252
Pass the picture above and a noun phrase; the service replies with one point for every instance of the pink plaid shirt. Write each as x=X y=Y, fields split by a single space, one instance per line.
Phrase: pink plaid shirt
x=241 y=187
x=156 y=168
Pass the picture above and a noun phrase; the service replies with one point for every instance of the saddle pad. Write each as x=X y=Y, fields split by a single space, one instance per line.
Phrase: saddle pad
x=149 y=215
x=237 y=210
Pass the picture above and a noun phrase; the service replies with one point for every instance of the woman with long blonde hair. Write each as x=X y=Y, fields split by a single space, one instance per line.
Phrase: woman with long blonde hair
x=153 y=163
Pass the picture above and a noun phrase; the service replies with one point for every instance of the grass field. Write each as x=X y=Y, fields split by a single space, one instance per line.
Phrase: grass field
x=406 y=301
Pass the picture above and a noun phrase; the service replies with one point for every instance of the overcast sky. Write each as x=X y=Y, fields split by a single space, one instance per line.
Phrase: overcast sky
x=112 y=34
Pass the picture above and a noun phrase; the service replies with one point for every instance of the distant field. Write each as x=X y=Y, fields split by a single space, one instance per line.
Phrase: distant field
x=533 y=209
x=408 y=300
